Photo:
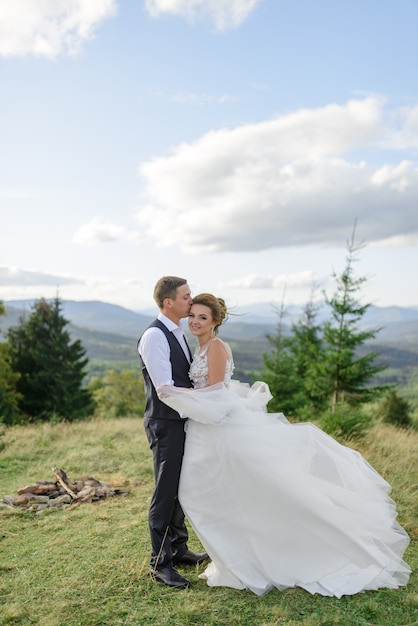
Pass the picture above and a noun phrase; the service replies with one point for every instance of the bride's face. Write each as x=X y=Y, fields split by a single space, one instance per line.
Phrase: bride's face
x=201 y=322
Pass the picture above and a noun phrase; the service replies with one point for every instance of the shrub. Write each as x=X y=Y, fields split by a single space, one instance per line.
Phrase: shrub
x=345 y=422
x=395 y=410
x=118 y=394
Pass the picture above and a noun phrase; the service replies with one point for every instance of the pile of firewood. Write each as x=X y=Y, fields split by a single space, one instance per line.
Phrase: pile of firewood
x=62 y=492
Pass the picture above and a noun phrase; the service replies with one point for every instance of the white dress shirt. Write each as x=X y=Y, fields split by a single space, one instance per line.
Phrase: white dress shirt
x=154 y=350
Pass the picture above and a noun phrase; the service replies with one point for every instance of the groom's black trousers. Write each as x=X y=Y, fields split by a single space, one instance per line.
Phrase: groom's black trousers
x=166 y=518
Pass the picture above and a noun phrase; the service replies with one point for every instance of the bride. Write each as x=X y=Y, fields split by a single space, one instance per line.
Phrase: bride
x=276 y=504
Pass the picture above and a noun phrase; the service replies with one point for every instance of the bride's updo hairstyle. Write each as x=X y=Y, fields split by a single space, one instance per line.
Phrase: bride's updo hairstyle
x=217 y=307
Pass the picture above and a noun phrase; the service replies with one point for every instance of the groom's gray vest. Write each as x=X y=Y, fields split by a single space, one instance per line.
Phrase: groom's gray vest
x=154 y=408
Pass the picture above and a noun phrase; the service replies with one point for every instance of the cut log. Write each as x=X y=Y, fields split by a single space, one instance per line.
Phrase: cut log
x=39 y=488
x=62 y=479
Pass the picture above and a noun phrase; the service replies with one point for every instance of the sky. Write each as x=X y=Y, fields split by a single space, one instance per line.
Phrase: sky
x=240 y=144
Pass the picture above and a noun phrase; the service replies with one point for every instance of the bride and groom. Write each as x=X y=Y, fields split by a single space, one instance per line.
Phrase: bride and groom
x=274 y=504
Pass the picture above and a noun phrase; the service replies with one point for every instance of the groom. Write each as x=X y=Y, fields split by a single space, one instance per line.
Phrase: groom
x=165 y=360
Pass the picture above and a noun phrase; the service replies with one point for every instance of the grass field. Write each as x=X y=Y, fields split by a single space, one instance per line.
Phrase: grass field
x=88 y=566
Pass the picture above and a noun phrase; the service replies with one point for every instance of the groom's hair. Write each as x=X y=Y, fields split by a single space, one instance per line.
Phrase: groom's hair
x=167 y=287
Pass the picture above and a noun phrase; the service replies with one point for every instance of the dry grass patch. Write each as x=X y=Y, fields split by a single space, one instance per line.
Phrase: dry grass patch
x=89 y=566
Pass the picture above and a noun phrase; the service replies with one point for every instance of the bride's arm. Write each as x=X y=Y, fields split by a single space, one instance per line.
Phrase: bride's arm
x=217 y=358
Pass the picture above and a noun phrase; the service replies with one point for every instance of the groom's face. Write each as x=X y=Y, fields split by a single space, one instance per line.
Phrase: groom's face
x=181 y=305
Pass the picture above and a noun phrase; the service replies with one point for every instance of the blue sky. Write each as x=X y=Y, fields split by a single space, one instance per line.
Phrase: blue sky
x=232 y=142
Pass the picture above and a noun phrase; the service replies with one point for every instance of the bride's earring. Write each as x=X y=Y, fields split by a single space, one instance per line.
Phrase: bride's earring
x=212 y=331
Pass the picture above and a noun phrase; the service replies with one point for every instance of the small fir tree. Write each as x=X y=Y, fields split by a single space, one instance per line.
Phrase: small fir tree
x=51 y=369
x=315 y=368
x=306 y=348
x=9 y=396
x=289 y=365
x=346 y=376
x=279 y=370
x=395 y=410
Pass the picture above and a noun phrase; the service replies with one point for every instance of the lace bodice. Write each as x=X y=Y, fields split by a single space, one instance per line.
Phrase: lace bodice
x=199 y=368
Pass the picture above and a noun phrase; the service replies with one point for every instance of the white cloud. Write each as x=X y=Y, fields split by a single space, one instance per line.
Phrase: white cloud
x=20 y=284
x=256 y=281
x=50 y=27
x=98 y=231
x=10 y=276
x=399 y=177
x=402 y=129
x=284 y=182
x=398 y=241
x=225 y=13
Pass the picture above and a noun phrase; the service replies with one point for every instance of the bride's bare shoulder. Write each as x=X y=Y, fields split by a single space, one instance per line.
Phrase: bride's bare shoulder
x=218 y=344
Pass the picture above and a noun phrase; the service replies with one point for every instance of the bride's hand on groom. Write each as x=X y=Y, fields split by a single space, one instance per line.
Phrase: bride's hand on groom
x=163 y=391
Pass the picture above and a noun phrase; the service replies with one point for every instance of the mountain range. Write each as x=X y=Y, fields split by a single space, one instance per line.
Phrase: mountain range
x=109 y=332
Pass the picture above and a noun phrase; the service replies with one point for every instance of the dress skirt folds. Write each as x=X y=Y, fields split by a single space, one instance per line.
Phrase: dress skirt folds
x=282 y=505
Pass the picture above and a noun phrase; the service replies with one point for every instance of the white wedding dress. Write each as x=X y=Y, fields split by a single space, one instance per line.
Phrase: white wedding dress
x=278 y=504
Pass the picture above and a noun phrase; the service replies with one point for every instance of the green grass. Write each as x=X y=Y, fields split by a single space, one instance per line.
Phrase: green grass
x=88 y=566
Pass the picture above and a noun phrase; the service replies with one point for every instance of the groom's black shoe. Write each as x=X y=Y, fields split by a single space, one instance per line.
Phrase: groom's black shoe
x=191 y=558
x=170 y=577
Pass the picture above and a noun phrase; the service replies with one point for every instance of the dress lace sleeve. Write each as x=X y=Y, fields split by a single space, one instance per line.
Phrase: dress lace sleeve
x=199 y=371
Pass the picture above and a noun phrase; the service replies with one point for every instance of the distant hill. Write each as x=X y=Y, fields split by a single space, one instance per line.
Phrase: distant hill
x=103 y=316
x=267 y=312
x=110 y=332
x=94 y=315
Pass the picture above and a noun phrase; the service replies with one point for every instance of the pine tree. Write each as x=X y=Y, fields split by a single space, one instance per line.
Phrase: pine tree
x=9 y=396
x=345 y=376
x=306 y=348
x=394 y=409
x=290 y=366
x=51 y=368
x=316 y=367
x=279 y=372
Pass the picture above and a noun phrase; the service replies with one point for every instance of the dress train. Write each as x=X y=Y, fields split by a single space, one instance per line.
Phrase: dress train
x=282 y=505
